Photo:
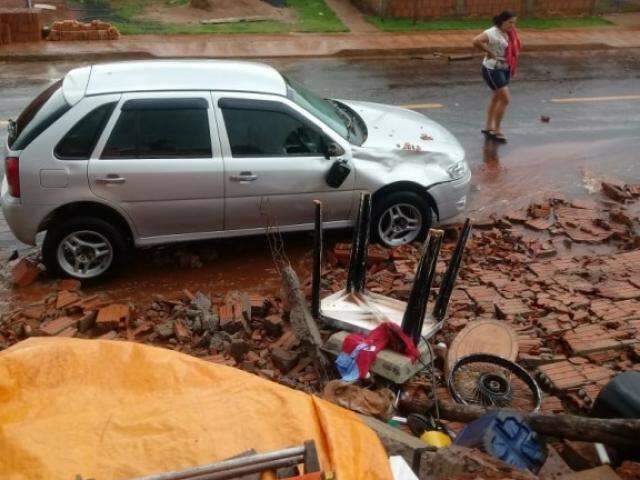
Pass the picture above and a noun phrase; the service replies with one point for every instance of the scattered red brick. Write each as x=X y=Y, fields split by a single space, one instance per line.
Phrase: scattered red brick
x=66 y=298
x=55 y=327
x=113 y=316
x=69 y=284
x=24 y=273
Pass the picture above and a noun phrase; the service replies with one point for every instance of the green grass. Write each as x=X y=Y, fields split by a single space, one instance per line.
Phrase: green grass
x=405 y=24
x=313 y=16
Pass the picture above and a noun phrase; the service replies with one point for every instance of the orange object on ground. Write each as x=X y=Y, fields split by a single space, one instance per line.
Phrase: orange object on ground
x=117 y=410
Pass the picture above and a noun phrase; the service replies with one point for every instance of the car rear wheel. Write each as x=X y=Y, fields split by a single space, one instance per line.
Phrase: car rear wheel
x=84 y=248
x=400 y=218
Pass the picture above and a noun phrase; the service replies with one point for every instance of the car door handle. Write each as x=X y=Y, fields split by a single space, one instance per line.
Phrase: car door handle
x=244 y=177
x=111 y=179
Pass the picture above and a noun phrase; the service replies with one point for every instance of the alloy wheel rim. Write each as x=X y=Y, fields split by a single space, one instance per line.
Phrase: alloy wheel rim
x=400 y=224
x=85 y=254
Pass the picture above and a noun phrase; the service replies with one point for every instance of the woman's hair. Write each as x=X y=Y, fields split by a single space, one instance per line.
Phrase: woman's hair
x=498 y=20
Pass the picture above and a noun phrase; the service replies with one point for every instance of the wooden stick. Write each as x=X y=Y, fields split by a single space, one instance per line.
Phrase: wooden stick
x=303 y=324
x=618 y=432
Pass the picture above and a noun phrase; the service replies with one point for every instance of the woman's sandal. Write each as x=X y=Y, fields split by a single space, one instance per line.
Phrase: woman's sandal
x=497 y=137
x=486 y=132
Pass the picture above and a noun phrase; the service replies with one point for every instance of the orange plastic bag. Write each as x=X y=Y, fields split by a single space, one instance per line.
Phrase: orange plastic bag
x=118 y=410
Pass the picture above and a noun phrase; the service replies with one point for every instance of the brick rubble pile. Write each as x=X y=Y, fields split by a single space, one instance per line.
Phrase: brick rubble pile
x=577 y=316
x=72 y=30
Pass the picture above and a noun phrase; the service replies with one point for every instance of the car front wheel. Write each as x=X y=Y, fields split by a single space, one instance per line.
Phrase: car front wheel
x=400 y=218
x=84 y=248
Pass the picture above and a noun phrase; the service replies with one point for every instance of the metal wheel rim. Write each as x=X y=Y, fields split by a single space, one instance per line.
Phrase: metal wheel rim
x=400 y=224
x=518 y=372
x=85 y=254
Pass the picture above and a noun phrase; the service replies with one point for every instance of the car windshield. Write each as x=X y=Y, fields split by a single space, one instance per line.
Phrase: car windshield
x=319 y=107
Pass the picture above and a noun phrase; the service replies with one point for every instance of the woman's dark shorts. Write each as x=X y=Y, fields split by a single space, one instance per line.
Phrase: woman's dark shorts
x=496 y=79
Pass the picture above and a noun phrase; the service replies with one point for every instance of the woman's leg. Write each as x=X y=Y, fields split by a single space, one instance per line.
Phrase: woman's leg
x=491 y=112
x=504 y=97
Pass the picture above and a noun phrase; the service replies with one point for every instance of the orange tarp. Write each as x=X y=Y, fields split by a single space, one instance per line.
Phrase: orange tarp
x=117 y=410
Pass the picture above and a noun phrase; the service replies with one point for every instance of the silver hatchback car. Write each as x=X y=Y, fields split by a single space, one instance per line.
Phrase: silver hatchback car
x=152 y=152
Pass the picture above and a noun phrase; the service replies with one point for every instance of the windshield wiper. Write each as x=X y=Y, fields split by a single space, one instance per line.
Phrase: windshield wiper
x=344 y=115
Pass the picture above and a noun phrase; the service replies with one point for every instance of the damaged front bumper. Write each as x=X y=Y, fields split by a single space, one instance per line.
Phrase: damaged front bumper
x=451 y=197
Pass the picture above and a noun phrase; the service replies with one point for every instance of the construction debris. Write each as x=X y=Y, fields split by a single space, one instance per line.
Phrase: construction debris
x=562 y=277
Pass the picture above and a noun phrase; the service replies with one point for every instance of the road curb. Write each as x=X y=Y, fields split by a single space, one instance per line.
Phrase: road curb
x=80 y=56
x=345 y=52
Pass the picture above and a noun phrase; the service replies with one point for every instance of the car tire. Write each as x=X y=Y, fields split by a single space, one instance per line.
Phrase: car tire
x=393 y=216
x=84 y=248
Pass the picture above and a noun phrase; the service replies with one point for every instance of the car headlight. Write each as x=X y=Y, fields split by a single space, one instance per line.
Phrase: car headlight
x=457 y=170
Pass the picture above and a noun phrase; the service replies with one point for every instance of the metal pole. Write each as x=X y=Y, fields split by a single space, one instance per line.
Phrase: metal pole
x=317 y=261
x=358 y=261
x=417 y=305
x=226 y=465
x=236 y=473
x=449 y=279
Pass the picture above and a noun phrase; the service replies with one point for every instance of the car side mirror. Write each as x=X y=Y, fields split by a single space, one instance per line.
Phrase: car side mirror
x=333 y=150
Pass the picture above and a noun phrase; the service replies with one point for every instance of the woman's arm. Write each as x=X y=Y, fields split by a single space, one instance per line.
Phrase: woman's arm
x=481 y=42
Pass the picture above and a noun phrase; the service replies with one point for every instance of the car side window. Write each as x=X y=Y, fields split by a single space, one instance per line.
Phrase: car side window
x=80 y=141
x=269 y=129
x=160 y=128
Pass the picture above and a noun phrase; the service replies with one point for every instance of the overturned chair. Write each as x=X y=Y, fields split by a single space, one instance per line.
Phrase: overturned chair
x=354 y=309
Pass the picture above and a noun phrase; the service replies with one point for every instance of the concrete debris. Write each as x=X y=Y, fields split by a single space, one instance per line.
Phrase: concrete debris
x=455 y=462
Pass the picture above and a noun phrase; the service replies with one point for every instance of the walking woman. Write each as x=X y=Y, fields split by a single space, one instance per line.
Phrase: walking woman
x=502 y=47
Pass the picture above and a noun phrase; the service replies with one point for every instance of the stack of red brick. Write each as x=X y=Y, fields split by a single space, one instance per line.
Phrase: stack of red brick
x=72 y=30
x=20 y=25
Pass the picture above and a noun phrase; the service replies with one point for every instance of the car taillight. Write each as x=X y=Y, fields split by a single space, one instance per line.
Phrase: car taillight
x=12 y=170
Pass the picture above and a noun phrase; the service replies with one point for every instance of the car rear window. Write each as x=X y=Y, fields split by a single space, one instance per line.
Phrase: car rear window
x=80 y=141
x=45 y=109
x=162 y=128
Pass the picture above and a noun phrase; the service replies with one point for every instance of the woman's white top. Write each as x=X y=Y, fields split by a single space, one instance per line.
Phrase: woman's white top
x=498 y=43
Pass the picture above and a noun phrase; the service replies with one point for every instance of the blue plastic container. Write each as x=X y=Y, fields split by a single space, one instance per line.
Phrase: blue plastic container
x=506 y=436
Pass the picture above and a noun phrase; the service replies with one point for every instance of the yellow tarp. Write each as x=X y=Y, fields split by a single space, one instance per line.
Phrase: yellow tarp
x=117 y=410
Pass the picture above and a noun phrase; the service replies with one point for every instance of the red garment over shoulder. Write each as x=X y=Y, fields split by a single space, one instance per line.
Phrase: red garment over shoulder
x=513 y=51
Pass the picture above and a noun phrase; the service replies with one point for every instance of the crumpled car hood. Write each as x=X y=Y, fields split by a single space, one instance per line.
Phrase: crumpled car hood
x=393 y=128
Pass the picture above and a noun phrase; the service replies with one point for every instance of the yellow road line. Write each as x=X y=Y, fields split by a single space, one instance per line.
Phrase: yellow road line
x=3 y=123
x=422 y=106
x=595 y=99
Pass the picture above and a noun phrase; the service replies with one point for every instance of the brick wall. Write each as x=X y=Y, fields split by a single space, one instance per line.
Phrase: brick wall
x=566 y=7
x=368 y=6
x=473 y=8
x=422 y=8
x=489 y=8
x=20 y=25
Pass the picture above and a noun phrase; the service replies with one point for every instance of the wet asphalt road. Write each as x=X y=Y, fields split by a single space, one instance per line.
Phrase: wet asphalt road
x=584 y=141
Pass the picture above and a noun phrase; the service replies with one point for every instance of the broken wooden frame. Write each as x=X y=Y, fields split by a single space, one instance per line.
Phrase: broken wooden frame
x=355 y=309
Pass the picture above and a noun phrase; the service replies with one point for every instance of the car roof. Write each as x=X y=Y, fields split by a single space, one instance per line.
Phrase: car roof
x=162 y=75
